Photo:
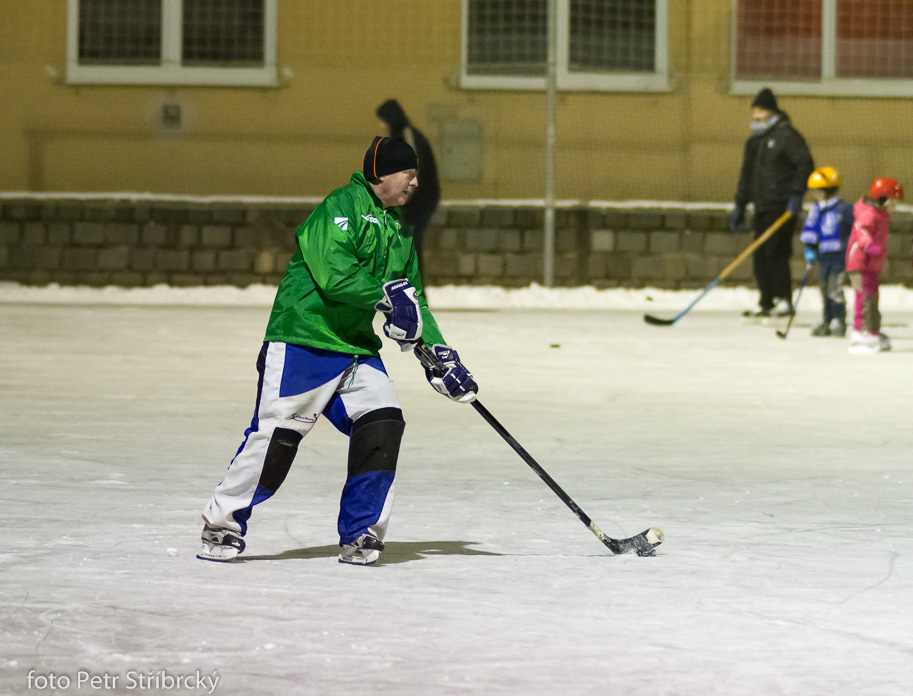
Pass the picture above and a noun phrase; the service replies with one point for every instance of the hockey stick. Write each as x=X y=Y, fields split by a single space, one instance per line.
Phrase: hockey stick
x=642 y=544
x=767 y=234
x=782 y=334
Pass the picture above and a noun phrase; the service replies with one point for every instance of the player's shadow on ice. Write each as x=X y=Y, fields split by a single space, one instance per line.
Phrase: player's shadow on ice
x=395 y=552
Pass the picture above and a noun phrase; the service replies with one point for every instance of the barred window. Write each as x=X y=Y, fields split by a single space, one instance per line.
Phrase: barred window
x=874 y=38
x=602 y=44
x=778 y=39
x=223 y=32
x=120 y=32
x=618 y=35
x=507 y=37
x=853 y=47
x=172 y=41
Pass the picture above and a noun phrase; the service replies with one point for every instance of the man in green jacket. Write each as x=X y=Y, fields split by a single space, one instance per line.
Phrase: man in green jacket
x=320 y=356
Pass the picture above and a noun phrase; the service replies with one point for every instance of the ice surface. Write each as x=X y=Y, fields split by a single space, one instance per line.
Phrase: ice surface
x=779 y=470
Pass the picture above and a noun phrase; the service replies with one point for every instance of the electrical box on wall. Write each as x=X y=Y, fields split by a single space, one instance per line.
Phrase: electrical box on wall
x=461 y=151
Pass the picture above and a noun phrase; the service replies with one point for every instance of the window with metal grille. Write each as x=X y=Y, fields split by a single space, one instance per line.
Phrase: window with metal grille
x=172 y=41
x=778 y=39
x=851 y=47
x=222 y=32
x=618 y=35
x=507 y=37
x=601 y=44
x=874 y=38
x=120 y=32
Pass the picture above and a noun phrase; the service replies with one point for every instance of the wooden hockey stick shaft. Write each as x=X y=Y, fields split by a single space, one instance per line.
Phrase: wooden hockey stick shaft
x=749 y=250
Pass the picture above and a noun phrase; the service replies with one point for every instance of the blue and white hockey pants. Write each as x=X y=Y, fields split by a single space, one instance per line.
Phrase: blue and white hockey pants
x=297 y=384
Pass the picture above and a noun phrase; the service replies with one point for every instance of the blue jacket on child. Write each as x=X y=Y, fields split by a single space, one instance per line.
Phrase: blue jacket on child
x=828 y=226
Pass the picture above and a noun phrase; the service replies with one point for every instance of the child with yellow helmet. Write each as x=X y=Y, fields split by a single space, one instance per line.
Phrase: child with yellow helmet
x=825 y=234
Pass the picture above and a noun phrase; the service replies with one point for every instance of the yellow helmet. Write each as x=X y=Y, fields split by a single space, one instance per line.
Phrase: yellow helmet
x=824 y=177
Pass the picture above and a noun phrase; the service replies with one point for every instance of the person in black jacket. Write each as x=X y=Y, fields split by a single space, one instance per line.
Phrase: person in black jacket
x=775 y=169
x=418 y=210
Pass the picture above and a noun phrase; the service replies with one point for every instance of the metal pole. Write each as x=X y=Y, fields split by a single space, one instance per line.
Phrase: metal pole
x=550 y=89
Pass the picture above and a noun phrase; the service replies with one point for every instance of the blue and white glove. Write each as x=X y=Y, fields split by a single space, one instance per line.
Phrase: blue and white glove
x=404 y=318
x=810 y=255
x=456 y=383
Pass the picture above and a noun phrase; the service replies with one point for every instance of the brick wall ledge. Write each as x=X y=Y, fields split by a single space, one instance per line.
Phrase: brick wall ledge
x=142 y=239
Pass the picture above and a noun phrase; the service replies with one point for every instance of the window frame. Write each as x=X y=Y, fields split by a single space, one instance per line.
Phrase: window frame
x=656 y=81
x=828 y=84
x=171 y=71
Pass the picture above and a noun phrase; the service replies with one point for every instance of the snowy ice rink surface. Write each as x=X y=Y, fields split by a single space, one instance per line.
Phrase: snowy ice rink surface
x=780 y=471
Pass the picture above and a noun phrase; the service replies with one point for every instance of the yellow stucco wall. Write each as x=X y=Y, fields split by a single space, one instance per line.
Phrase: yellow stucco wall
x=340 y=59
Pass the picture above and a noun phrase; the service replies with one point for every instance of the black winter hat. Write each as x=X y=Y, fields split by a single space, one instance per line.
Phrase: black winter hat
x=387 y=156
x=765 y=99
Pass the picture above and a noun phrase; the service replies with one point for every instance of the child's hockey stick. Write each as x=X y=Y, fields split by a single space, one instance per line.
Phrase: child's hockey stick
x=642 y=544
x=782 y=334
x=767 y=234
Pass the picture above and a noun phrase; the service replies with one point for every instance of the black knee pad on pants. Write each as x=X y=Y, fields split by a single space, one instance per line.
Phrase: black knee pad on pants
x=283 y=446
x=374 y=443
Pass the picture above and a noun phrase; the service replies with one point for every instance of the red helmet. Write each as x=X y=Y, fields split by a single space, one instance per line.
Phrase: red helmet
x=883 y=187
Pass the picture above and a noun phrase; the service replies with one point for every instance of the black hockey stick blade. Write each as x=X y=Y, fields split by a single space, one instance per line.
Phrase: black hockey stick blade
x=643 y=544
x=656 y=321
x=783 y=334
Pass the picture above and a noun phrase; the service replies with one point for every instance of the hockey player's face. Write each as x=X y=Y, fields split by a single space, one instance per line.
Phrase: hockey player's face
x=397 y=188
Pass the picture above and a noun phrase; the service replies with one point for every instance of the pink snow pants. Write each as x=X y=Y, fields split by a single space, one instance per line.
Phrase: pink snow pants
x=866 y=317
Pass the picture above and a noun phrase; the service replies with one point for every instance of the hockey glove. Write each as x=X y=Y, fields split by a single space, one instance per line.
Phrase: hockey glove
x=795 y=206
x=810 y=255
x=404 y=318
x=874 y=249
x=737 y=220
x=456 y=383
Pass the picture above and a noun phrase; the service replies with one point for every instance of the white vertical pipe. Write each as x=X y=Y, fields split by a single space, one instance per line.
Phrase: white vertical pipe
x=550 y=89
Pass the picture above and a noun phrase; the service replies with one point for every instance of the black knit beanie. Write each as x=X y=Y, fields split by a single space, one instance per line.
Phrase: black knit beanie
x=765 y=100
x=387 y=156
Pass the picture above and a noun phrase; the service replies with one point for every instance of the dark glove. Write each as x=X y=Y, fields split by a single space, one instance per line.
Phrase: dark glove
x=456 y=383
x=810 y=254
x=795 y=205
x=737 y=220
x=404 y=318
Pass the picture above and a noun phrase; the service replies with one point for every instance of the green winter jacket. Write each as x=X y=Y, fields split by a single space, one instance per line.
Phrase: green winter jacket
x=347 y=249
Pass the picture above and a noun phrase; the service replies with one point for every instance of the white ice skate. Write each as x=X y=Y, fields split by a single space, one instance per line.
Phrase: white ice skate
x=221 y=545
x=864 y=343
x=365 y=550
x=783 y=308
x=884 y=343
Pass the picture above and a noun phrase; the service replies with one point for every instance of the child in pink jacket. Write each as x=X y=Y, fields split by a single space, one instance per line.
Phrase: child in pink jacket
x=865 y=254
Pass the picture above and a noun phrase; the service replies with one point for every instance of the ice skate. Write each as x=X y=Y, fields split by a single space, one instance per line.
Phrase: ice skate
x=783 y=309
x=365 y=550
x=864 y=343
x=221 y=545
x=821 y=329
x=837 y=327
x=884 y=343
x=755 y=316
